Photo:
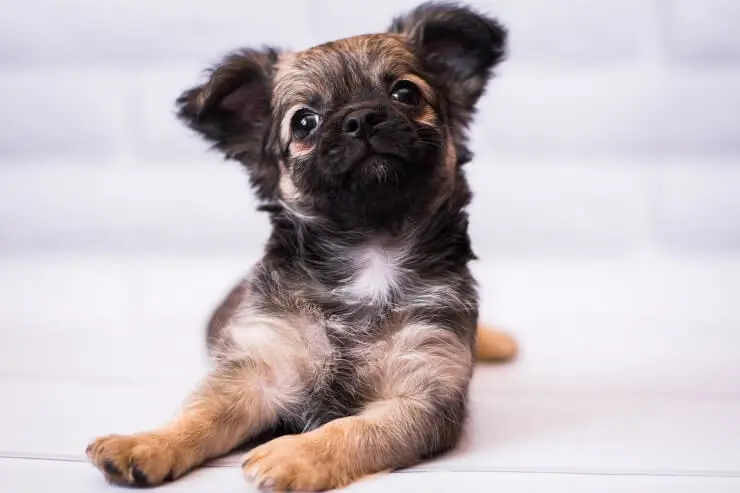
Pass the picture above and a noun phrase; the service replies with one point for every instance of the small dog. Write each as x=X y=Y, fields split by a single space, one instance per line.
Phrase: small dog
x=355 y=335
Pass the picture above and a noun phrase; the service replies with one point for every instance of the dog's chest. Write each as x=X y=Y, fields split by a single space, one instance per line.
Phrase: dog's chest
x=374 y=275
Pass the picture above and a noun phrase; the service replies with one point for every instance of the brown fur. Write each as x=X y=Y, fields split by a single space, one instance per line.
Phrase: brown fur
x=386 y=433
x=358 y=329
x=316 y=70
x=232 y=406
x=224 y=412
x=494 y=345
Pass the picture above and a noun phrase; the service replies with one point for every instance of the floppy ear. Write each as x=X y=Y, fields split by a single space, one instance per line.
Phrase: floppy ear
x=457 y=46
x=232 y=110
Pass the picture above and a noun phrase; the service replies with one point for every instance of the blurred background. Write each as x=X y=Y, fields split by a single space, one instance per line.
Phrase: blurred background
x=606 y=178
x=606 y=218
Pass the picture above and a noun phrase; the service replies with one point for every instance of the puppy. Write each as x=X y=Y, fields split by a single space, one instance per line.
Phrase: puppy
x=355 y=335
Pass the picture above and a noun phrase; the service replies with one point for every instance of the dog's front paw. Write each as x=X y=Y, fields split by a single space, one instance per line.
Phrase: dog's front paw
x=297 y=463
x=144 y=459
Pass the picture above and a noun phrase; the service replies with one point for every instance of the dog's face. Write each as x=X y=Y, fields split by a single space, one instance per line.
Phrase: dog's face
x=358 y=128
x=363 y=131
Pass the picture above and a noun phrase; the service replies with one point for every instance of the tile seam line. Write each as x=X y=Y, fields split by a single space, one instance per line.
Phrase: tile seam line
x=733 y=395
x=422 y=470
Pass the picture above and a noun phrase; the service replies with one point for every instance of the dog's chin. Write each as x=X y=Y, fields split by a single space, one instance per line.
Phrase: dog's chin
x=377 y=170
x=379 y=191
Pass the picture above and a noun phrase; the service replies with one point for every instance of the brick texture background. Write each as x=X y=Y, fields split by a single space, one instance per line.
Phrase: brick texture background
x=607 y=186
x=614 y=126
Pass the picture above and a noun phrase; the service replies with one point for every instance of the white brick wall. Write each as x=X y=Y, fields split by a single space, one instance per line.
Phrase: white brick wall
x=613 y=127
x=61 y=112
x=607 y=186
x=698 y=208
x=703 y=32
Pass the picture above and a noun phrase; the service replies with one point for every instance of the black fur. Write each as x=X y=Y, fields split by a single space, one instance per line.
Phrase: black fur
x=459 y=48
x=233 y=112
x=344 y=203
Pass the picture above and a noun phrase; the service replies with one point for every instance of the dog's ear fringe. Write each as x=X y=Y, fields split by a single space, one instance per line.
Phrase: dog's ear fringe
x=453 y=39
x=232 y=111
x=454 y=14
x=459 y=48
x=240 y=68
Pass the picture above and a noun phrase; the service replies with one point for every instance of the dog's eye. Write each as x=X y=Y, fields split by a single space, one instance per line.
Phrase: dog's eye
x=303 y=123
x=406 y=92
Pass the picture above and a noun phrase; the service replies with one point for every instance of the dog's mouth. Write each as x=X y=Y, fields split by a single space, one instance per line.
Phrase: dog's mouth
x=368 y=155
x=376 y=179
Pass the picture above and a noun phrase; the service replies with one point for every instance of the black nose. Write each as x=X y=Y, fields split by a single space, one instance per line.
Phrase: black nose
x=360 y=123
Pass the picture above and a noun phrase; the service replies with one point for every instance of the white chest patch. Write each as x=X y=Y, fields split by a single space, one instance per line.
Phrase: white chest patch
x=376 y=275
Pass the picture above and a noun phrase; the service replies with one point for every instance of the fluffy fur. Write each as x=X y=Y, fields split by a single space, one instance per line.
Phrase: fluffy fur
x=356 y=332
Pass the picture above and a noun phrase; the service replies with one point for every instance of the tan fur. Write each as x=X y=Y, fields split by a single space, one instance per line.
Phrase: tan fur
x=227 y=410
x=224 y=412
x=428 y=117
x=284 y=354
x=288 y=190
x=301 y=75
x=314 y=461
x=451 y=157
x=449 y=175
x=264 y=364
x=412 y=376
x=234 y=403
x=416 y=355
x=494 y=345
x=415 y=362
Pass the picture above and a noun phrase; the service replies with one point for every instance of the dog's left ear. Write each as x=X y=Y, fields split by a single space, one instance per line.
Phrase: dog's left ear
x=232 y=111
x=457 y=46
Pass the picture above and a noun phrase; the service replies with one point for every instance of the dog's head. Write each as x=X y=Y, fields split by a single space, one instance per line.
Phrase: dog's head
x=363 y=131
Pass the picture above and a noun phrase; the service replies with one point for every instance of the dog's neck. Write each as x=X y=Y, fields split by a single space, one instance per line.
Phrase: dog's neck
x=431 y=243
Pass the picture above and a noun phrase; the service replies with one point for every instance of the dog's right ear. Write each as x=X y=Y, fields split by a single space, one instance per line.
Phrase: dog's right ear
x=232 y=110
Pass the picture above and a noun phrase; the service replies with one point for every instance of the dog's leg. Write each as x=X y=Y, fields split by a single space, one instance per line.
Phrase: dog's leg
x=228 y=408
x=417 y=411
x=263 y=365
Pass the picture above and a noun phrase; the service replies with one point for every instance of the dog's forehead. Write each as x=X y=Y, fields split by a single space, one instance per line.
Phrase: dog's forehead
x=333 y=67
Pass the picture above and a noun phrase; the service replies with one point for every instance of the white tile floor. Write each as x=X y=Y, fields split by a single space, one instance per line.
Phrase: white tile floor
x=629 y=377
